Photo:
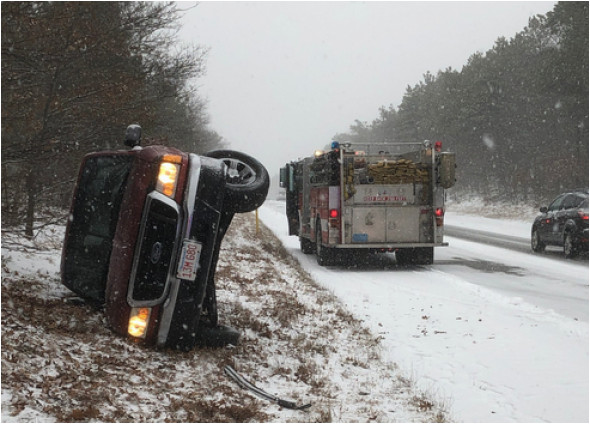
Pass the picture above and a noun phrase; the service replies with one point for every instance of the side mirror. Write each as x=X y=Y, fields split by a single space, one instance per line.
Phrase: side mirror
x=543 y=209
x=133 y=135
x=446 y=169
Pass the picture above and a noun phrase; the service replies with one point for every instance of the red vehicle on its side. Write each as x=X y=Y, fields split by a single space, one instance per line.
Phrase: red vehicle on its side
x=144 y=234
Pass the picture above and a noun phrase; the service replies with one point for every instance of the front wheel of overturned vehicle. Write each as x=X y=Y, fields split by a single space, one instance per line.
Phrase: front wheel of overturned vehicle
x=247 y=181
x=217 y=336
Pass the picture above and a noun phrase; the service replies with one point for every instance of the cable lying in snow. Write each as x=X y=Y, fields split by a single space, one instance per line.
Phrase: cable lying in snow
x=245 y=384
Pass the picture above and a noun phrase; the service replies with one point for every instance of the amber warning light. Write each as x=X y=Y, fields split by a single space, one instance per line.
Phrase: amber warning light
x=167 y=177
x=138 y=322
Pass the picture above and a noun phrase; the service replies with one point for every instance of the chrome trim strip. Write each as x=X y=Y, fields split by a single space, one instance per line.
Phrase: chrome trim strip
x=154 y=195
x=385 y=245
x=190 y=196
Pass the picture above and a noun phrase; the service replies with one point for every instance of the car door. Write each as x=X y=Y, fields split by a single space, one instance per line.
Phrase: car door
x=547 y=228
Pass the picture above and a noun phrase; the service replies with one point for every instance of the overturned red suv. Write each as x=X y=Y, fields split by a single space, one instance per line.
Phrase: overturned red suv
x=144 y=234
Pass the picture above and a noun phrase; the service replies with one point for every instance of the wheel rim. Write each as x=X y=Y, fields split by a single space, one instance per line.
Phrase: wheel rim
x=238 y=172
x=567 y=245
x=535 y=240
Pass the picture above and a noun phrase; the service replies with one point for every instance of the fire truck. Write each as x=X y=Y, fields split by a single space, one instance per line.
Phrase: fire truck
x=370 y=198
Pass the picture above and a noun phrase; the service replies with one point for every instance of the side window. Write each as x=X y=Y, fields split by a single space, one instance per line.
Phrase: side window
x=570 y=201
x=556 y=204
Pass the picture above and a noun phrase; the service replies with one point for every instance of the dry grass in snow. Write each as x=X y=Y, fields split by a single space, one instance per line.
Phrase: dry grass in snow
x=61 y=363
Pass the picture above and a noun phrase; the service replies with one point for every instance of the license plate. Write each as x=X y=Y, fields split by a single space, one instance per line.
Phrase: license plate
x=360 y=238
x=189 y=260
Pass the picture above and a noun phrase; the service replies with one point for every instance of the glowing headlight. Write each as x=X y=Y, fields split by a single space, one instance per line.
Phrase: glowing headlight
x=138 y=322
x=168 y=175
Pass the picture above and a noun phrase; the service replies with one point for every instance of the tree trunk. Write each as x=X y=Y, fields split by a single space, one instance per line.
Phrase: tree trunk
x=31 y=202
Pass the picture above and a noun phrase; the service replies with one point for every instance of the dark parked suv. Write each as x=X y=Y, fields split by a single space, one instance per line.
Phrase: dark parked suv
x=144 y=234
x=563 y=223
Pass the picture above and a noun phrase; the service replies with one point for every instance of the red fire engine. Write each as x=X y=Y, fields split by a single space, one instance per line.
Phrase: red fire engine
x=370 y=197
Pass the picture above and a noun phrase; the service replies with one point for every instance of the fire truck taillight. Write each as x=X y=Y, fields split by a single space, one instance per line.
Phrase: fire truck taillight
x=334 y=220
x=439 y=213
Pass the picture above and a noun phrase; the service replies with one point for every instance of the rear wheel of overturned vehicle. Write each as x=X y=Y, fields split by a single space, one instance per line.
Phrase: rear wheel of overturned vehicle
x=537 y=244
x=570 y=249
x=247 y=181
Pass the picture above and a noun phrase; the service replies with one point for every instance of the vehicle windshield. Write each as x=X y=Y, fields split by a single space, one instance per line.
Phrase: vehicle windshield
x=93 y=223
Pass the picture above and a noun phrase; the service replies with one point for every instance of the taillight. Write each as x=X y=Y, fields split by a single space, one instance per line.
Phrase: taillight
x=439 y=213
x=583 y=215
x=334 y=214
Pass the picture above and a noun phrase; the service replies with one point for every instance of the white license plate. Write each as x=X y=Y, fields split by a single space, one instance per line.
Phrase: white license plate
x=189 y=260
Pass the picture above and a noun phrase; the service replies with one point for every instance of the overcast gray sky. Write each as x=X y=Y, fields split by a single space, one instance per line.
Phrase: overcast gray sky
x=284 y=77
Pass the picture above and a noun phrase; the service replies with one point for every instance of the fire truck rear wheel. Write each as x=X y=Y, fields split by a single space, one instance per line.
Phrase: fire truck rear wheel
x=306 y=245
x=425 y=255
x=416 y=256
x=247 y=181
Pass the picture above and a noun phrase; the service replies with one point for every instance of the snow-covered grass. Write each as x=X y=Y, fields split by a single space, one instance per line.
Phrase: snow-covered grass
x=483 y=335
x=61 y=363
x=479 y=207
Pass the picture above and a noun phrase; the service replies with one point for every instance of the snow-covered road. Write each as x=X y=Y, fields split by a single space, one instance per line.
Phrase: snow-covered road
x=502 y=336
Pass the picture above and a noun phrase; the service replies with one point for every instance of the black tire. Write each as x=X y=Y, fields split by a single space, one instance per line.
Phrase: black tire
x=306 y=245
x=570 y=249
x=218 y=336
x=402 y=256
x=352 y=258
x=537 y=244
x=424 y=255
x=415 y=256
x=247 y=181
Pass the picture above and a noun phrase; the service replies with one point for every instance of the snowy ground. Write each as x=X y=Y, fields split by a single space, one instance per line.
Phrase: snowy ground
x=60 y=362
x=452 y=341
x=500 y=336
